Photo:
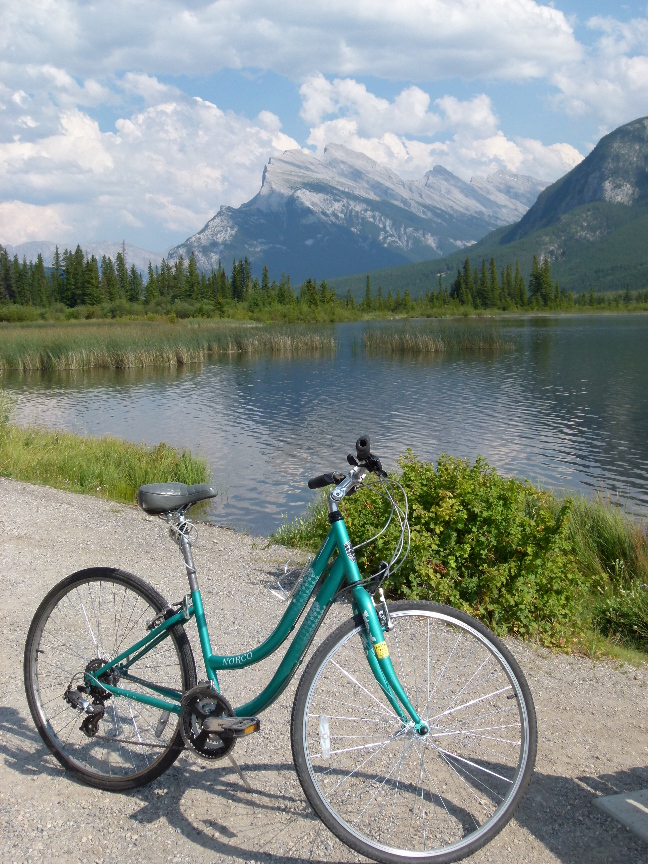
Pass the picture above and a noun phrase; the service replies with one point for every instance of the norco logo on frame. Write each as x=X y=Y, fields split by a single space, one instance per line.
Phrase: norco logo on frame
x=348 y=548
x=238 y=659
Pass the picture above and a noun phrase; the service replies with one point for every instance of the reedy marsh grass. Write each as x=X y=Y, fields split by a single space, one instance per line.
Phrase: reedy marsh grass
x=416 y=342
x=104 y=467
x=137 y=344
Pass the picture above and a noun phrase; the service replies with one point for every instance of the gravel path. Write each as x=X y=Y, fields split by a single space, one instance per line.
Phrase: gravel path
x=591 y=719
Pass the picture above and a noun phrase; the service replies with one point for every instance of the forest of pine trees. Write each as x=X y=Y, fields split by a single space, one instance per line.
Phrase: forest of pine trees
x=484 y=288
x=76 y=280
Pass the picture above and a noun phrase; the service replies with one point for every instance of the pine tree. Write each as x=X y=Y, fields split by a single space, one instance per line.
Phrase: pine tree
x=108 y=279
x=39 y=283
x=152 y=289
x=192 y=284
x=535 y=283
x=457 y=290
x=508 y=285
x=483 y=291
x=308 y=293
x=134 y=285
x=122 y=276
x=265 y=284
x=366 y=303
x=285 y=294
x=468 y=285
x=519 y=287
x=178 y=290
x=223 y=284
x=23 y=284
x=7 y=290
x=493 y=285
x=546 y=284
x=92 y=294
x=56 y=282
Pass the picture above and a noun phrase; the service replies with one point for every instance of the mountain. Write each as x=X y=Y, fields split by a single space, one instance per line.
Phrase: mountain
x=134 y=255
x=343 y=212
x=592 y=225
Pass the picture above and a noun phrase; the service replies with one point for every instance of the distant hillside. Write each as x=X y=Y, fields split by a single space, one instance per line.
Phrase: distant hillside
x=343 y=212
x=592 y=225
x=134 y=255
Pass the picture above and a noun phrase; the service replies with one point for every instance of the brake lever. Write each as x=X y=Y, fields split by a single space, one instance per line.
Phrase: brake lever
x=372 y=464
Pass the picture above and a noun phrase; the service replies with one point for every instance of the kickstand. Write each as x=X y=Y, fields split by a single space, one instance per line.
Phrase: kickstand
x=237 y=768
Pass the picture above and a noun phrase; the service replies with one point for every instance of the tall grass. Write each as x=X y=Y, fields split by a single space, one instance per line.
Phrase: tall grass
x=137 y=344
x=611 y=549
x=105 y=467
x=421 y=342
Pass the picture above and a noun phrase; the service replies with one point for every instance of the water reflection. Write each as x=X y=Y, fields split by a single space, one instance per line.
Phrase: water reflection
x=568 y=408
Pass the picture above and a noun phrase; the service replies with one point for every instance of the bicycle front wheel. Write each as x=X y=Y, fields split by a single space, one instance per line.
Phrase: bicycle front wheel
x=384 y=790
x=85 y=621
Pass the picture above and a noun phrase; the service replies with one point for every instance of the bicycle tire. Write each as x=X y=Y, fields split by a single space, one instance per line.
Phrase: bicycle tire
x=96 y=613
x=382 y=789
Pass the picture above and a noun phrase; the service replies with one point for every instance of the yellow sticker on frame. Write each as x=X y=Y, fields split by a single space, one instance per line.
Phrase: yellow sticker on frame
x=381 y=650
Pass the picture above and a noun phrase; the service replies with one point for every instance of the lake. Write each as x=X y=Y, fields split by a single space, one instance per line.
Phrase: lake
x=566 y=407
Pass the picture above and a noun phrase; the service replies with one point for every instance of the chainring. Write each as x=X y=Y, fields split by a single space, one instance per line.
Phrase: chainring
x=197 y=705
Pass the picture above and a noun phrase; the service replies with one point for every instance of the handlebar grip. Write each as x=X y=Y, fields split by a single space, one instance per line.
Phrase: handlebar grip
x=318 y=482
x=324 y=480
x=363 y=449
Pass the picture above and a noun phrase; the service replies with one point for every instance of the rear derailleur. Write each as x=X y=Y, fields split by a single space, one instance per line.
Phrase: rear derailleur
x=91 y=699
x=93 y=707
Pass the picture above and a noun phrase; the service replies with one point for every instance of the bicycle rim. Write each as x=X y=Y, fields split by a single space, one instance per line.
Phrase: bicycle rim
x=96 y=615
x=388 y=792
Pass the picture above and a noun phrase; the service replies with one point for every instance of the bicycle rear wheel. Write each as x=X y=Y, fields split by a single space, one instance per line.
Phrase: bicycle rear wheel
x=91 y=617
x=387 y=792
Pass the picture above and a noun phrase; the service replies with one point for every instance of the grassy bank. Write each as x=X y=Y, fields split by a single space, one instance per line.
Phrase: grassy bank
x=567 y=572
x=136 y=344
x=105 y=467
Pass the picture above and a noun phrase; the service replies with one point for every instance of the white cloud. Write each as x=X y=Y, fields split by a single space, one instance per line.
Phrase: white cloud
x=469 y=140
x=412 y=39
x=408 y=113
x=167 y=167
x=611 y=83
x=20 y=222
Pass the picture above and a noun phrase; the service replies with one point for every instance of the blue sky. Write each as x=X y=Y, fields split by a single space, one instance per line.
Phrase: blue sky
x=137 y=120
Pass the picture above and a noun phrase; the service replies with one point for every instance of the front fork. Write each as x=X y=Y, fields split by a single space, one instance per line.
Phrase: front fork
x=377 y=653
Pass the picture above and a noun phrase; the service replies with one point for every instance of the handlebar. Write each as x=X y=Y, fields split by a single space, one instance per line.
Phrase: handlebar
x=363 y=459
x=322 y=480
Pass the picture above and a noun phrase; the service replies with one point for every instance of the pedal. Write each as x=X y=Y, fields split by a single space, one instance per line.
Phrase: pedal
x=236 y=727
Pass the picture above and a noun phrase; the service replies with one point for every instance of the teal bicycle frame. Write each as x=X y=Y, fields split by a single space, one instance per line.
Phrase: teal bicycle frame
x=343 y=568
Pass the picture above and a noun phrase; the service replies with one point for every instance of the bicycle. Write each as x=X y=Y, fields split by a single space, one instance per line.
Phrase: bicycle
x=413 y=729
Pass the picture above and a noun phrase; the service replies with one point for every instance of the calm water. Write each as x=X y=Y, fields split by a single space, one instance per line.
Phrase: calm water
x=567 y=408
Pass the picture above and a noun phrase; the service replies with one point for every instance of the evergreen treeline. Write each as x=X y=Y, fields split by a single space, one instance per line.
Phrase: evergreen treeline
x=484 y=288
x=75 y=280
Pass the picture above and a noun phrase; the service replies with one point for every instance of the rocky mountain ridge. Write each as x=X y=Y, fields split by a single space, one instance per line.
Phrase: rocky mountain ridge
x=343 y=212
x=592 y=226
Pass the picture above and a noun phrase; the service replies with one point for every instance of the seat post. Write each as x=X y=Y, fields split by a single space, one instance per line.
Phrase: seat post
x=185 y=546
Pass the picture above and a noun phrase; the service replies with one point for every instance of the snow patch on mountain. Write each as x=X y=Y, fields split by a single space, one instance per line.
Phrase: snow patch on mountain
x=345 y=212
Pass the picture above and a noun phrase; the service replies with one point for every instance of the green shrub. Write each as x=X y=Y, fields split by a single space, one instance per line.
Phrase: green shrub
x=497 y=548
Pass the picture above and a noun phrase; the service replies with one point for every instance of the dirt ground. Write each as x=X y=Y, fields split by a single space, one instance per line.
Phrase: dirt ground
x=592 y=730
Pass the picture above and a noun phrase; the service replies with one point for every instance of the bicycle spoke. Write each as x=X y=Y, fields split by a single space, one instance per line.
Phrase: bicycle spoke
x=95 y=619
x=408 y=792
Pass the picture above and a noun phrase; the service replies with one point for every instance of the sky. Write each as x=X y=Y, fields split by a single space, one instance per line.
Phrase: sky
x=137 y=120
